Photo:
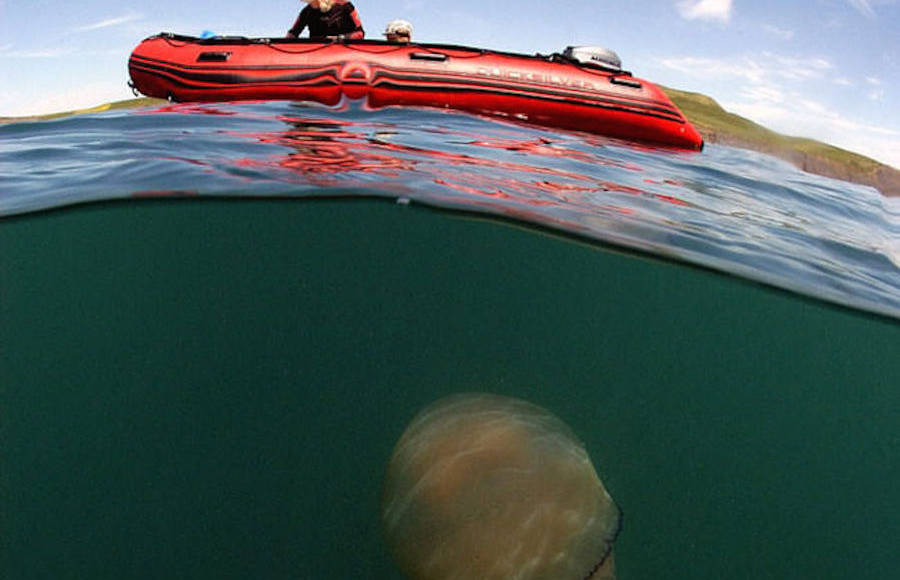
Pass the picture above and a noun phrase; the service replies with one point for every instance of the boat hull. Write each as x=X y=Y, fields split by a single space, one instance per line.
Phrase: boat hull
x=536 y=89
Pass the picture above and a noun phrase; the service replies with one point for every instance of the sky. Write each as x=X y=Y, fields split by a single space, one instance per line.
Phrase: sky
x=826 y=69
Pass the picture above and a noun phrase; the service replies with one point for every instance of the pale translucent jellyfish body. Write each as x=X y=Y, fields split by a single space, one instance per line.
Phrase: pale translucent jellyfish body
x=486 y=487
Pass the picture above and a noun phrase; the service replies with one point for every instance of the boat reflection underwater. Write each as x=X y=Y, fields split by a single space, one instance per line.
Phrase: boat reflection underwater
x=336 y=153
x=492 y=487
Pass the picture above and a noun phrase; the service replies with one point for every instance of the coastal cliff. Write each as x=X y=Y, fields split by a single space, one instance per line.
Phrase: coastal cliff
x=720 y=126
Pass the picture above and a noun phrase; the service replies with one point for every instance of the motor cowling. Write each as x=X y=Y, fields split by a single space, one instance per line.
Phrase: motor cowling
x=594 y=56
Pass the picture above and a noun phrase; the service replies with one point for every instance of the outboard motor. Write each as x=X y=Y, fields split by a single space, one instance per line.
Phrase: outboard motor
x=594 y=56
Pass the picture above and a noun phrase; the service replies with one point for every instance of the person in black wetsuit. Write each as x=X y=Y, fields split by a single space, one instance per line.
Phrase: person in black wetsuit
x=328 y=19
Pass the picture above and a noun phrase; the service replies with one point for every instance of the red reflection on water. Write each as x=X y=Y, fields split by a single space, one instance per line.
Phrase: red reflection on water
x=345 y=153
x=221 y=108
x=313 y=135
x=343 y=148
x=325 y=153
x=192 y=109
x=672 y=200
x=493 y=188
x=543 y=147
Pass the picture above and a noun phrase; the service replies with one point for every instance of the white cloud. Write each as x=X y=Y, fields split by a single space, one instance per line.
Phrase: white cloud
x=40 y=103
x=705 y=9
x=412 y=6
x=761 y=69
x=691 y=65
x=6 y=51
x=762 y=94
x=878 y=92
x=798 y=68
x=863 y=7
x=108 y=23
x=782 y=92
x=781 y=33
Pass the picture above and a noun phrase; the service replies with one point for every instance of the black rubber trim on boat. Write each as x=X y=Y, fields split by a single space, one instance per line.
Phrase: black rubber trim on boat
x=431 y=56
x=214 y=56
x=625 y=82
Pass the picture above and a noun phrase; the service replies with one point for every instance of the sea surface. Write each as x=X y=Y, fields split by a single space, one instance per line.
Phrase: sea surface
x=217 y=319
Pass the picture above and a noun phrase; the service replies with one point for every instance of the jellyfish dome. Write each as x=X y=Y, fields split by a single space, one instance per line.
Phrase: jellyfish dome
x=483 y=486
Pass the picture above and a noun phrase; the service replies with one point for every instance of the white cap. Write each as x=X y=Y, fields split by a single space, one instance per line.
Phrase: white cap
x=399 y=27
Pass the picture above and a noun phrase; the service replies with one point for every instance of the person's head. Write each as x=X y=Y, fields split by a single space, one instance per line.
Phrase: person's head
x=398 y=31
x=323 y=5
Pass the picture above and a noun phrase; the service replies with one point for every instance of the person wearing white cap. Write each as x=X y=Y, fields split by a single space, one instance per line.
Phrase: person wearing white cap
x=398 y=31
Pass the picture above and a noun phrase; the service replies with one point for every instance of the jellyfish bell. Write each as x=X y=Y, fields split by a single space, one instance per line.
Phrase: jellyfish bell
x=483 y=486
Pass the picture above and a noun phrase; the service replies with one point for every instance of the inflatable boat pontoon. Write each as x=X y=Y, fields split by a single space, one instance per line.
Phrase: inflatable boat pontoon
x=581 y=89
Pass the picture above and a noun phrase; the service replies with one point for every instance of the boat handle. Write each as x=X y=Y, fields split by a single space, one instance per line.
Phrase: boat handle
x=213 y=56
x=625 y=82
x=432 y=56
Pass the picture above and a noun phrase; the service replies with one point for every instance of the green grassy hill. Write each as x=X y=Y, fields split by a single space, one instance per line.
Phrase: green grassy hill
x=717 y=126
x=126 y=104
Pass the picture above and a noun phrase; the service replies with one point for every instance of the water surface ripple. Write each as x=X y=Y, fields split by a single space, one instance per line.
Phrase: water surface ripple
x=729 y=209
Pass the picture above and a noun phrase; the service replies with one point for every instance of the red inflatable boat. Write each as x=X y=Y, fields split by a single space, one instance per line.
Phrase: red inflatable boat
x=583 y=89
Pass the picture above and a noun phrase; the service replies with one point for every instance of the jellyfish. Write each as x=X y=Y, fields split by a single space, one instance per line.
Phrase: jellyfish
x=483 y=486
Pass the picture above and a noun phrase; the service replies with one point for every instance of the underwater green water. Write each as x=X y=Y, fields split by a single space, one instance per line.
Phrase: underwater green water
x=211 y=389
